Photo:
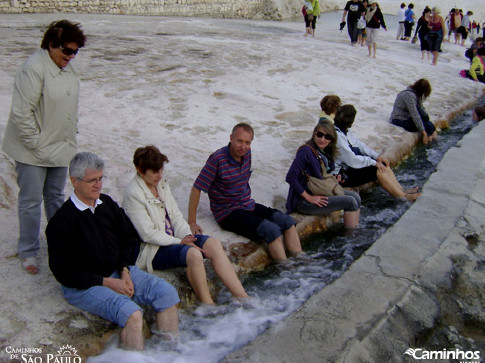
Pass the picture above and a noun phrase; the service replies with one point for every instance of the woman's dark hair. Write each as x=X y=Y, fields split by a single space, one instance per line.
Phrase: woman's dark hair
x=411 y=6
x=426 y=11
x=149 y=157
x=62 y=32
x=403 y=5
x=422 y=89
x=345 y=117
x=329 y=129
x=481 y=51
x=330 y=104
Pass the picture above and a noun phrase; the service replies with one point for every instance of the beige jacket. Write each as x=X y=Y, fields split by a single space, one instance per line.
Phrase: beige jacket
x=42 y=126
x=147 y=214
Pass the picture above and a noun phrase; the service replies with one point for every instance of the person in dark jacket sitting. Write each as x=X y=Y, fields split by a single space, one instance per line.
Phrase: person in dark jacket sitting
x=91 y=251
x=317 y=153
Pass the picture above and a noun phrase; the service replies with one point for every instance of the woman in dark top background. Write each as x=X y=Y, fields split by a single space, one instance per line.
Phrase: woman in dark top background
x=422 y=30
x=375 y=20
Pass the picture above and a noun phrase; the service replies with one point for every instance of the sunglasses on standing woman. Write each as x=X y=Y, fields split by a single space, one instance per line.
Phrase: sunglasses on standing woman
x=68 y=51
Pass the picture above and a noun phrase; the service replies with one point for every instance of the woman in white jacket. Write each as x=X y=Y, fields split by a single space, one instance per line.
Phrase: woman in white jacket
x=40 y=134
x=167 y=239
x=358 y=164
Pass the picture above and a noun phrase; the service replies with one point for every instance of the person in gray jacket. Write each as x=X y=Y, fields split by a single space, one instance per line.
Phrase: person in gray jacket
x=41 y=131
x=408 y=111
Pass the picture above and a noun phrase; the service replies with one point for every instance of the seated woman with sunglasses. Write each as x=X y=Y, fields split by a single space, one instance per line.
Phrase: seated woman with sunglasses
x=311 y=157
x=41 y=131
x=167 y=239
x=359 y=164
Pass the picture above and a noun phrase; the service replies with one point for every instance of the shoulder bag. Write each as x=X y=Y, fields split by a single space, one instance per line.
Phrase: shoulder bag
x=328 y=185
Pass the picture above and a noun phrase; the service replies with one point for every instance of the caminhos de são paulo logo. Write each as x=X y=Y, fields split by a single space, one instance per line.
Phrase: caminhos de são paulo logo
x=66 y=354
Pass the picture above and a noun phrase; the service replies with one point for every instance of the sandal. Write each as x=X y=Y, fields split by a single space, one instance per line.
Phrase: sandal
x=30 y=265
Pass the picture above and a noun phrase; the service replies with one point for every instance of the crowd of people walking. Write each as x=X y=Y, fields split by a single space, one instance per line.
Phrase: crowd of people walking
x=364 y=18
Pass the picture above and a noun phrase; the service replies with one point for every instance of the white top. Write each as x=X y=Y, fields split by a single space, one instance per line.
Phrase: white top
x=148 y=214
x=347 y=158
x=82 y=206
x=400 y=14
x=42 y=126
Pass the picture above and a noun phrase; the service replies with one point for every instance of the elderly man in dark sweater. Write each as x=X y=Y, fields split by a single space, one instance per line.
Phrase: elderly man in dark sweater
x=91 y=252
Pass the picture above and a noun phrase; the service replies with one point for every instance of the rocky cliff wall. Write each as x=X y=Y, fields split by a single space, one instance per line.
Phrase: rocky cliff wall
x=245 y=9
x=214 y=8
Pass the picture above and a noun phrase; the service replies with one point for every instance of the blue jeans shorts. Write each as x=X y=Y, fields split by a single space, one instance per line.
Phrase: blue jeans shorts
x=175 y=255
x=262 y=223
x=115 y=307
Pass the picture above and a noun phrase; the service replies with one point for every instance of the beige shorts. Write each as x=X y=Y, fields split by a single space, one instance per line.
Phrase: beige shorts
x=371 y=35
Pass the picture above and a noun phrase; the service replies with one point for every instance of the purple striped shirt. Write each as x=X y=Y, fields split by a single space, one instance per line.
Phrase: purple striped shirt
x=226 y=181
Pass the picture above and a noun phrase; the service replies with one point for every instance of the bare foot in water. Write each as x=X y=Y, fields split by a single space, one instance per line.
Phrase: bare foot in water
x=411 y=197
x=411 y=190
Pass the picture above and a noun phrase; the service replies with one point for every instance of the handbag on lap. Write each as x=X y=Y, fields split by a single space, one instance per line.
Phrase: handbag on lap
x=328 y=185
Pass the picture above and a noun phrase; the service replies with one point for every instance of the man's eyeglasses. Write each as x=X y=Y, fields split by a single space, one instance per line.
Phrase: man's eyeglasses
x=93 y=181
x=320 y=134
x=68 y=51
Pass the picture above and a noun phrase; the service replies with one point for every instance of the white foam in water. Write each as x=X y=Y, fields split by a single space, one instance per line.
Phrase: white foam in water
x=207 y=334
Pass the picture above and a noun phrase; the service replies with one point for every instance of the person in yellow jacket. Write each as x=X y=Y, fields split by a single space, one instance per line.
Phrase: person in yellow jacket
x=311 y=18
x=476 y=71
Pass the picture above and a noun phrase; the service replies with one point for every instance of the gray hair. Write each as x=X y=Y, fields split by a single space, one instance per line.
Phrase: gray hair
x=83 y=161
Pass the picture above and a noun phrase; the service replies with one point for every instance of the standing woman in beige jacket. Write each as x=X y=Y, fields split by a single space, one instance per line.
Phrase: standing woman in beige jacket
x=167 y=239
x=41 y=131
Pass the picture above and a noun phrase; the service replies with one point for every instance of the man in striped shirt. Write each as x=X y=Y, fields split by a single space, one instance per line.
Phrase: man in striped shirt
x=225 y=177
